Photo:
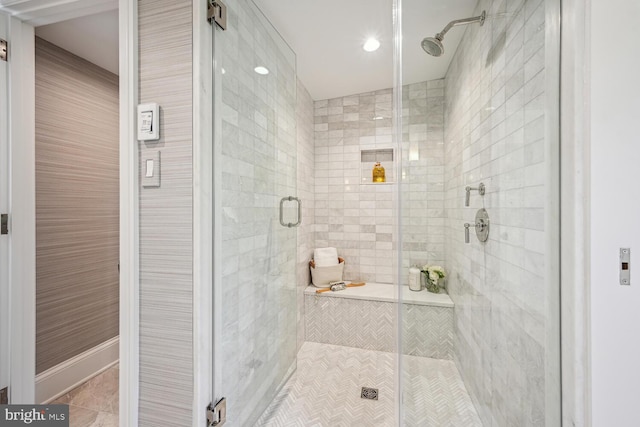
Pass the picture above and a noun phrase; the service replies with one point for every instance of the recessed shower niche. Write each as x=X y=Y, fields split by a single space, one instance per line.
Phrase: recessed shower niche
x=368 y=160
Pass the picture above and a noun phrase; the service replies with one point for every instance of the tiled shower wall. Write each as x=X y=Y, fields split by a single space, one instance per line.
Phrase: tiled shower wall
x=306 y=192
x=422 y=202
x=357 y=217
x=495 y=133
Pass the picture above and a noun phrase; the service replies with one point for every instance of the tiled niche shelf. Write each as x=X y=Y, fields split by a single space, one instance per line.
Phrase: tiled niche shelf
x=369 y=157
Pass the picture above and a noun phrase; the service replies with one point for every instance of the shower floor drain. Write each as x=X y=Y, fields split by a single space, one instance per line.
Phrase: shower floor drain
x=369 y=393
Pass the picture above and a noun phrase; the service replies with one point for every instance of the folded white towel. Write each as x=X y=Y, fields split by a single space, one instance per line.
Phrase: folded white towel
x=325 y=257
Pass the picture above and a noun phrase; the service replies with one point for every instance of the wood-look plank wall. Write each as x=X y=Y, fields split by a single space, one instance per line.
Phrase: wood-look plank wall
x=166 y=217
x=77 y=211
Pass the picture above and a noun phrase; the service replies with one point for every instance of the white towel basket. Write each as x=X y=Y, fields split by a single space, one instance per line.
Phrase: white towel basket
x=322 y=276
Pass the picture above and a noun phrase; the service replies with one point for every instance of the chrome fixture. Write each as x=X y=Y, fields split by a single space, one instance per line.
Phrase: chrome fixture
x=481 y=189
x=625 y=266
x=481 y=225
x=299 y=220
x=433 y=45
x=217 y=12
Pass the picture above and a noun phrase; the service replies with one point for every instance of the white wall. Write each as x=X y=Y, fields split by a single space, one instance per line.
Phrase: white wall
x=615 y=211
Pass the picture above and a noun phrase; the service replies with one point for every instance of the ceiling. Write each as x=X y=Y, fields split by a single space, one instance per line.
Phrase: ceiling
x=327 y=37
x=93 y=37
x=43 y=12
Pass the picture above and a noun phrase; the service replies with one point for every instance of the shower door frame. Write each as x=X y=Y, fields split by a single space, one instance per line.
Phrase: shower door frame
x=4 y=208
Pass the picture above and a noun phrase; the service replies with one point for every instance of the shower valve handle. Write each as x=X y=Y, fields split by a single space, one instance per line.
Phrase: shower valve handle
x=481 y=189
x=480 y=226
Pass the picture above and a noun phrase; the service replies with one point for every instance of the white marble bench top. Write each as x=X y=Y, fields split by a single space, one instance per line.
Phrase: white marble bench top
x=386 y=292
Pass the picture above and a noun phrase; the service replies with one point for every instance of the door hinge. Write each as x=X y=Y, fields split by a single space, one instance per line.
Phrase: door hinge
x=4 y=223
x=4 y=50
x=217 y=414
x=217 y=12
x=4 y=396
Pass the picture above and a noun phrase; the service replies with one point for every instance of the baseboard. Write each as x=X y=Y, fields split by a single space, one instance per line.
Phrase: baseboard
x=66 y=376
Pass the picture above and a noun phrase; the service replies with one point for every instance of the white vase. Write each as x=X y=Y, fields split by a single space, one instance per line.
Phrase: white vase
x=414 y=279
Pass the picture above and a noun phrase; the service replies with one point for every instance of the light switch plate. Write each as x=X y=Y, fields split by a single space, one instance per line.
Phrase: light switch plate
x=150 y=168
x=148 y=122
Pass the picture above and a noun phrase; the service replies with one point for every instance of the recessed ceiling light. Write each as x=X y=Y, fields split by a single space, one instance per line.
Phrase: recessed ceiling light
x=261 y=70
x=371 y=45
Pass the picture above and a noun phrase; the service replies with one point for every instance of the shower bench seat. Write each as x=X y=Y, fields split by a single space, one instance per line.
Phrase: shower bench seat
x=364 y=317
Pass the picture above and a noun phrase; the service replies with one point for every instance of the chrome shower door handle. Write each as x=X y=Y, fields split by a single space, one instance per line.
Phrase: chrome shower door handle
x=299 y=220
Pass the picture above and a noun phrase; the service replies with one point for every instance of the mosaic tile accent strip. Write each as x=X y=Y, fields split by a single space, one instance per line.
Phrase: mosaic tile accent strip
x=434 y=395
x=349 y=322
x=428 y=330
x=326 y=390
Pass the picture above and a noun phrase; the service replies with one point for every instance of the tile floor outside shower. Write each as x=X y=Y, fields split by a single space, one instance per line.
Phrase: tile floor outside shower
x=325 y=391
x=94 y=403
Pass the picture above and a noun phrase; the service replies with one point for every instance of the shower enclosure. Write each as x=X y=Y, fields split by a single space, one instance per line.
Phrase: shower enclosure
x=486 y=350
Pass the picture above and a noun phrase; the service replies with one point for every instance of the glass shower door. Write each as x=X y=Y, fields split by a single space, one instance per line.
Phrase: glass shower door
x=255 y=213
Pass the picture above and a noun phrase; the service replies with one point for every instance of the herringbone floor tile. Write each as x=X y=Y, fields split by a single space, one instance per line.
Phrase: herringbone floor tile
x=325 y=391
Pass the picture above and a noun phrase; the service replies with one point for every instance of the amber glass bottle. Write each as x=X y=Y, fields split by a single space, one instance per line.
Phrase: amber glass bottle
x=378 y=173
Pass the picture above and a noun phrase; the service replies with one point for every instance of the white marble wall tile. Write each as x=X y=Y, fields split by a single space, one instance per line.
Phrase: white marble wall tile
x=495 y=133
x=422 y=175
x=306 y=192
x=358 y=219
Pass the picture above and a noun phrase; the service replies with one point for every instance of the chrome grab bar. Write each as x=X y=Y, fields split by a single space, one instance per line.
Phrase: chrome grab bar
x=290 y=224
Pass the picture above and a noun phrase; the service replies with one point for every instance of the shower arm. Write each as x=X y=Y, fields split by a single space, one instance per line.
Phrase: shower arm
x=458 y=22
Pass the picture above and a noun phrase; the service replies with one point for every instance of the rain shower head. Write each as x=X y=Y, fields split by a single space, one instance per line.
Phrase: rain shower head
x=433 y=45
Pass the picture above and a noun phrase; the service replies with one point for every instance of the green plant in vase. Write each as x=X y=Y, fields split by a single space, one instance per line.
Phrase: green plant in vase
x=432 y=275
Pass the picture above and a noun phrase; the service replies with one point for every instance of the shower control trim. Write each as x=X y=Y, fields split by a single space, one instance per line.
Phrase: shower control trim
x=481 y=225
x=481 y=189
